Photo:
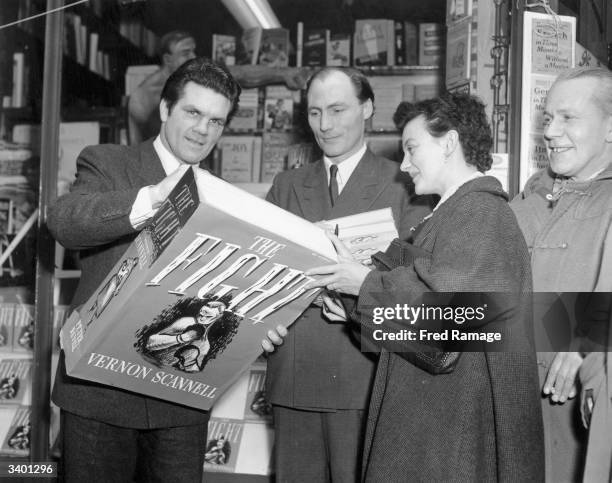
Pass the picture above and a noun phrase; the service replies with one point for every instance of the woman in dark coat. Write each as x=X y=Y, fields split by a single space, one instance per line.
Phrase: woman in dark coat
x=441 y=411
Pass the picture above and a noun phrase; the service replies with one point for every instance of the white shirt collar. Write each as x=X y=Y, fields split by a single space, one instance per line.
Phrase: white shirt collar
x=169 y=161
x=345 y=168
x=451 y=191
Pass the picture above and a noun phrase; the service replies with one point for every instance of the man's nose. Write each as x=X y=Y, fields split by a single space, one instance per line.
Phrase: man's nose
x=202 y=125
x=552 y=129
x=326 y=122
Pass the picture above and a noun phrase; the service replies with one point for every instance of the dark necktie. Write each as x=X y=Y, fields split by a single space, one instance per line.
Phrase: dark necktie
x=333 y=184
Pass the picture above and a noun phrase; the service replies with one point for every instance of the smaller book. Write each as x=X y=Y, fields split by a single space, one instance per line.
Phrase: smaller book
x=224 y=48
x=93 y=52
x=257 y=408
x=246 y=399
x=247 y=52
x=339 y=50
x=18 y=437
x=237 y=159
x=366 y=233
x=458 y=54
x=411 y=44
x=299 y=42
x=236 y=446
x=374 y=42
x=246 y=117
x=23 y=328
x=15 y=381
x=278 y=109
x=315 y=47
x=7 y=315
x=275 y=150
x=17 y=96
x=274 y=48
x=223 y=444
x=431 y=44
x=400 y=45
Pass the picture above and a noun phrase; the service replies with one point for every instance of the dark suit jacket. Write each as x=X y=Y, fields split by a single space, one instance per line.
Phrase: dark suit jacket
x=320 y=365
x=94 y=219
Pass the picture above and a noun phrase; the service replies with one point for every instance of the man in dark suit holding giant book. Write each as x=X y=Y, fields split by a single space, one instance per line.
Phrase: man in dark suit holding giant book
x=109 y=433
x=319 y=381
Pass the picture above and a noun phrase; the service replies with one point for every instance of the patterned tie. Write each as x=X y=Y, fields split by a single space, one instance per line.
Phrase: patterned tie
x=333 y=184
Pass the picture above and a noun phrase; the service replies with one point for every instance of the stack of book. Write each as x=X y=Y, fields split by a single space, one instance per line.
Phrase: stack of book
x=240 y=432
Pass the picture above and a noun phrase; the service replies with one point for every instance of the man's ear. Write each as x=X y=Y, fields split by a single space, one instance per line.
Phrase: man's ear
x=163 y=110
x=368 y=109
x=166 y=59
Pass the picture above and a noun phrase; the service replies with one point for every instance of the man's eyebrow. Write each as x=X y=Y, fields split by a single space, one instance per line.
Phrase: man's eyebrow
x=191 y=107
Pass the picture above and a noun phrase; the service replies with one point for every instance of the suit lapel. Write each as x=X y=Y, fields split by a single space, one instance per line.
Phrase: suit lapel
x=363 y=188
x=150 y=170
x=312 y=193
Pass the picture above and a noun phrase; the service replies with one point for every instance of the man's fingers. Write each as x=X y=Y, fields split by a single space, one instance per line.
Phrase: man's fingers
x=551 y=377
x=274 y=337
x=560 y=381
x=267 y=346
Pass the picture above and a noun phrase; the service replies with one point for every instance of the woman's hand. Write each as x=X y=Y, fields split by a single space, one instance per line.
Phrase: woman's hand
x=346 y=276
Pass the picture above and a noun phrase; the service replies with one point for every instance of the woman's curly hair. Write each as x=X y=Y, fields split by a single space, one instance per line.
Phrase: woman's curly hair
x=460 y=112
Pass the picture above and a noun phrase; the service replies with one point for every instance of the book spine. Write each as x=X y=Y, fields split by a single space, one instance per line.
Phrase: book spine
x=18 y=99
x=300 y=44
x=390 y=42
x=93 y=52
x=400 y=48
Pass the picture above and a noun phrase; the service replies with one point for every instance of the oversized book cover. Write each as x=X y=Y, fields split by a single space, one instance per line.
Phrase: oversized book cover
x=183 y=312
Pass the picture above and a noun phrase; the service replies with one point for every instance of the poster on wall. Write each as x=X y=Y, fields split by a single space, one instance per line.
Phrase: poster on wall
x=549 y=47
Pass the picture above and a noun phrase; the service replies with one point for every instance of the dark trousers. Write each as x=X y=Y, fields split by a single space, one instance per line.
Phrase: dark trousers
x=318 y=446
x=98 y=452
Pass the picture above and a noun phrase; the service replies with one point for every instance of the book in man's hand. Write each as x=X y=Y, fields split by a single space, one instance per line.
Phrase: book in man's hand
x=183 y=312
x=364 y=234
